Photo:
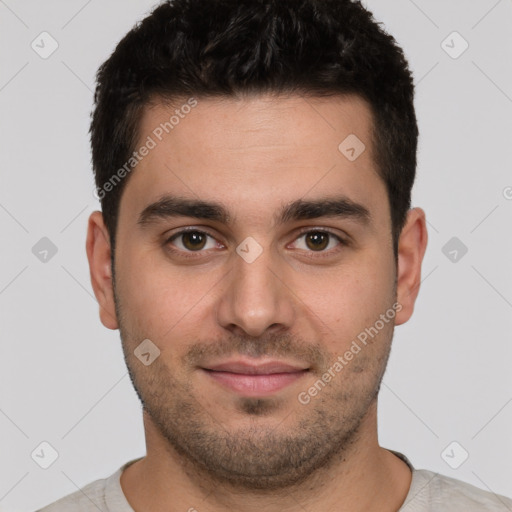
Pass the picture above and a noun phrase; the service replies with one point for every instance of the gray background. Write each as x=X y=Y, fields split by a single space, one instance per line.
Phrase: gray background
x=63 y=378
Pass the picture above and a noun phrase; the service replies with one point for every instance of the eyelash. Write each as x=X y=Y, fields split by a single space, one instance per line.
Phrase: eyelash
x=197 y=254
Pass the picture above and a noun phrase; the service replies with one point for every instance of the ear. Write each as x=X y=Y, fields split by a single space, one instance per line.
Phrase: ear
x=411 y=249
x=100 y=267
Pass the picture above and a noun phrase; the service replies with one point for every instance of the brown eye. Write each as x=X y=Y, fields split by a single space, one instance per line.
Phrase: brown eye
x=194 y=240
x=317 y=240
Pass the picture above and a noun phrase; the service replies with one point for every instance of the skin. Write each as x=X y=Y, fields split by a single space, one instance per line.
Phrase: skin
x=209 y=447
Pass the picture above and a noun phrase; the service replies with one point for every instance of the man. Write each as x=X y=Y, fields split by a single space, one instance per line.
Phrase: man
x=254 y=160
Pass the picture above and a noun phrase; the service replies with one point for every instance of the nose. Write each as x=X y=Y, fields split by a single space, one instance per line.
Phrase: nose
x=255 y=297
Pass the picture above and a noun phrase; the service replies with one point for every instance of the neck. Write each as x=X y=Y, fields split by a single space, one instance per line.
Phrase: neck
x=365 y=477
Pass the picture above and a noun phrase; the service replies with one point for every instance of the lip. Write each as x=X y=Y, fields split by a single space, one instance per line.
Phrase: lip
x=263 y=368
x=255 y=380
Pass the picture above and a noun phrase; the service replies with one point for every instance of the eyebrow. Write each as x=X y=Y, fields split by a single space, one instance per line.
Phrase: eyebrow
x=172 y=206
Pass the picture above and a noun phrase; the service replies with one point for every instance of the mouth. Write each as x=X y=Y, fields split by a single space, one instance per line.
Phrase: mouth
x=255 y=380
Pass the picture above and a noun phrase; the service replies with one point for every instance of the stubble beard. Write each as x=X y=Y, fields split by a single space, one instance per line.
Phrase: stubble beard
x=257 y=456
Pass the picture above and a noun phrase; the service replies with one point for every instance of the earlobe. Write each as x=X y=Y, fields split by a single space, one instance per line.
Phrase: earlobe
x=100 y=268
x=411 y=249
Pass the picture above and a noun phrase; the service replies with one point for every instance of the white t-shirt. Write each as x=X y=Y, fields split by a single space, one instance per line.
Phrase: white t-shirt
x=429 y=492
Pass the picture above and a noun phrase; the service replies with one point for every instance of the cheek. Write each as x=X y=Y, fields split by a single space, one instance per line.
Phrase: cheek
x=161 y=298
x=350 y=298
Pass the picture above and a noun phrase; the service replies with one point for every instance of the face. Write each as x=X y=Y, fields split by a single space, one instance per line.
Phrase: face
x=257 y=259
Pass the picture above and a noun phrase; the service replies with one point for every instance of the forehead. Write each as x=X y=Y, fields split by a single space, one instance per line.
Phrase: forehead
x=256 y=153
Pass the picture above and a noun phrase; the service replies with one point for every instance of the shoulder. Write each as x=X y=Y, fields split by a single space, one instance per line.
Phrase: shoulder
x=89 y=498
x=105 y=494
x=433 y=491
